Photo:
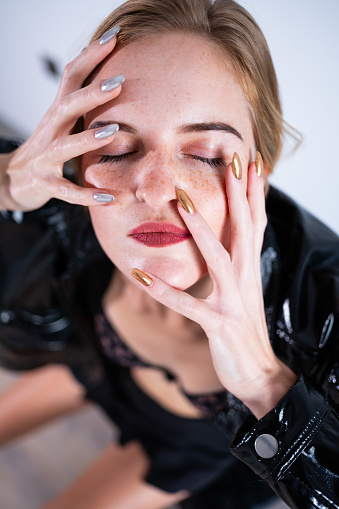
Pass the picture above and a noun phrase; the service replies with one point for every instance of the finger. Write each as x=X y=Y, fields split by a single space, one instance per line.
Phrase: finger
x=68 y=147
x=215 y=255
x=65 y=190
x=76 y=72
x=177 y=300
x=76 y=104
x=256 y=201
x=242 y=232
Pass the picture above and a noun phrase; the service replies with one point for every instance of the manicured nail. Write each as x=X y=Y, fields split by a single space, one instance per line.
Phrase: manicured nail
x=108 y=36
x=111 y=83
x=259 y=164
x=236 y=166
x=185 y=201
x=103 y=197
x=142 y=277
x=106 y=131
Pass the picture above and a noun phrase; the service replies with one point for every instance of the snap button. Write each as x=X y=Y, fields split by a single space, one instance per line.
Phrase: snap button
x=4 y=317
x=266 y=446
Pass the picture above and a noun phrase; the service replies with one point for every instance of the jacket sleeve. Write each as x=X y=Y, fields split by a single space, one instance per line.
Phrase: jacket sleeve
x=34 y=326
x=295 y=447
x=37 y=257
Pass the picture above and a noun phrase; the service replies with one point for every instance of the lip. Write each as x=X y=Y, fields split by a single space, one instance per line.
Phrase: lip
x=159 y=234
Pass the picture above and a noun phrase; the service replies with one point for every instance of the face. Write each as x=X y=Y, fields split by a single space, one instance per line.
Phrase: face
x=182 y=115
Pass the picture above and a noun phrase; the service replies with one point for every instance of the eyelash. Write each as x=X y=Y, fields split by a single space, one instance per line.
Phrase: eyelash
x=114 y=159
x=215 y=162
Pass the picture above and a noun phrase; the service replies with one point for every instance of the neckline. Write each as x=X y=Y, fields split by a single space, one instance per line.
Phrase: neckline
x=143 y=363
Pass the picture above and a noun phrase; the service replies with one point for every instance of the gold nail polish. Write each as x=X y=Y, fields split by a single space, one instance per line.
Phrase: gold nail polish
x=185 y=201
x=259 y=164
x=142 y=277
x=236 y=166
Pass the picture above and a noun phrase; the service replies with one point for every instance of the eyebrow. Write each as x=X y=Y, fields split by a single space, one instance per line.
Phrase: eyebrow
x=188 y=128
x=122 y=127
x=210 y=126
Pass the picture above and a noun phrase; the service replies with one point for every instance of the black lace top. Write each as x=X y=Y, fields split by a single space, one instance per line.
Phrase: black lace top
x=118 y=352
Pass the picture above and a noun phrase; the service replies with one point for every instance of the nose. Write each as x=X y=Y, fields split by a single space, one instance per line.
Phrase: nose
x=156 y=182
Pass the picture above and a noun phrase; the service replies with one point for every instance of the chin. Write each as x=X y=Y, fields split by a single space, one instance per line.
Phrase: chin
x=176 y=273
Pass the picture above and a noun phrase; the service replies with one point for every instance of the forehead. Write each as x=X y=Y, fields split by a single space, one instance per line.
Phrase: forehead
x=174 y=76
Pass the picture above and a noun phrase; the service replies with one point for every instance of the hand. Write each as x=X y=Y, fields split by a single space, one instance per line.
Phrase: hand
x=233 y=316
x=33 y=173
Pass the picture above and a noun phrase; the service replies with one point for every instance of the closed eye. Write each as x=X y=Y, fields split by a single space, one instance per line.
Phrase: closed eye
x=215 y=162
x=115 y=159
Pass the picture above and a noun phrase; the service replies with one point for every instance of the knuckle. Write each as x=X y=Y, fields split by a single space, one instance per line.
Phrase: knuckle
x=88 y=93
x=220 y=256
x=82 y=139
x=63 y=190
x=68 y=71
x=61 y=107
x=54 y=149
x=32 y=182
x=215 y=325
x=160 y=292
x=219 y=322
x=261 y=224
x=245 y=232
x=264 y=221
x=185 y=302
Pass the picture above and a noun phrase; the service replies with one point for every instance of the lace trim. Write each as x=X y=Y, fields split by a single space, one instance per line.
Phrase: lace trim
x=116 y=350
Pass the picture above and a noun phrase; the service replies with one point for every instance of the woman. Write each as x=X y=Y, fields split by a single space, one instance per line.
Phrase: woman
x=160 y=313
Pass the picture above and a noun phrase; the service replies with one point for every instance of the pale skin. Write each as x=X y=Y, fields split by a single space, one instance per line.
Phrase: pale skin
x=213 y=334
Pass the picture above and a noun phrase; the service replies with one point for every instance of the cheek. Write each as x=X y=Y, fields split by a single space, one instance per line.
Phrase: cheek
x=100 y=176
x=203 y=181
x=115 y=181
x=101 y=217
x=107 y=228
x=206 y=187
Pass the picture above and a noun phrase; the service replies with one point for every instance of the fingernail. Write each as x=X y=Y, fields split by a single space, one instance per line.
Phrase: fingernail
x=259 y=164
x=108 y=36
x=142 y=277
x=103 y=197
x=236 y=166
x=111 y=83
x=106 y=131
x=185 y=201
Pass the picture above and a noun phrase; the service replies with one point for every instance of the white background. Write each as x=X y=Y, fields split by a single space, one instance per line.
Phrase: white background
x=303 y=37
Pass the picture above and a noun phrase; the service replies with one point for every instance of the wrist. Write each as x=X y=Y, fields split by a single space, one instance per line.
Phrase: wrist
x=4 y=163
x=6 y=200
x=270 y=391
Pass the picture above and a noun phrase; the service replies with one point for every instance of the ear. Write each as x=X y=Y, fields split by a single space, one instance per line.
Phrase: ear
x=266 y=173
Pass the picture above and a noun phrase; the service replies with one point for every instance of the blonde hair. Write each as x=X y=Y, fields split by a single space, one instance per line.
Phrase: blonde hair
x=231 y=28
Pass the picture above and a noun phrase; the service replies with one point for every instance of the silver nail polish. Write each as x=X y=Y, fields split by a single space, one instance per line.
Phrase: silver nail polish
x=106 y=131
x=103 y=197
x=116 y=81
x=107 y=36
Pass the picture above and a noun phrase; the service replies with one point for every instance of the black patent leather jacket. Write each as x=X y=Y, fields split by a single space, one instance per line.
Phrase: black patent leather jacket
x=54 y=273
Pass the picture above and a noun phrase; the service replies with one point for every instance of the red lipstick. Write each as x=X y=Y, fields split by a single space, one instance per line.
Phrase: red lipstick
x=159 y=234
